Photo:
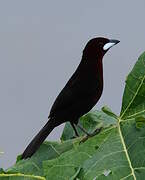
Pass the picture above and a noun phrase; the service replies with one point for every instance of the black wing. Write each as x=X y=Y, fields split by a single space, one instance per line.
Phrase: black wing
x=78 y=93
x=69 y=94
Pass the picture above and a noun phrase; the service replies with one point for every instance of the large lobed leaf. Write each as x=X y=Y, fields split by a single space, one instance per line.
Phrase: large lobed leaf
x=116 y=153
x=134 y=95
x=38 y=165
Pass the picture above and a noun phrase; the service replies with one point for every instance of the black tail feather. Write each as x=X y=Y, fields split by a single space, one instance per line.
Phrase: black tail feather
x=38 y=139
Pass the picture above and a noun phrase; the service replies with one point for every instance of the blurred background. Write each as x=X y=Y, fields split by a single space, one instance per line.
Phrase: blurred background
x=41 y=44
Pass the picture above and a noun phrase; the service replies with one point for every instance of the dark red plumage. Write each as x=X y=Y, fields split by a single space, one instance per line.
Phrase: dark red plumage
x=80 y=94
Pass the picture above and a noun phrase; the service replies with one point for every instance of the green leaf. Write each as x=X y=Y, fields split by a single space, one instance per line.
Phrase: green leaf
x=115 y=153
x=90 y=122
x=48 y=150
x=134 y=95
x=121 y=153
x=108 y=111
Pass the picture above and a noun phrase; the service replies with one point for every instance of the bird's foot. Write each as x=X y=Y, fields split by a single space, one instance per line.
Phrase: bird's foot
x=97 y=131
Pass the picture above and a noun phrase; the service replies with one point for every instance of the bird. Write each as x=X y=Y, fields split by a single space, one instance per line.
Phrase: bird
x=80 y=94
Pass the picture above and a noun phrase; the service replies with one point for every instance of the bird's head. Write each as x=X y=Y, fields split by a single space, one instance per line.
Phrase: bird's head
x=97 y=47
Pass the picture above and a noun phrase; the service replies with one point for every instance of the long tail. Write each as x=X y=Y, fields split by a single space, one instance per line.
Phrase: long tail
x=39 y=138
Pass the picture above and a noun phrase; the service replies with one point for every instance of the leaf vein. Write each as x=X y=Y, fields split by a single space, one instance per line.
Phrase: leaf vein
x=125 y=149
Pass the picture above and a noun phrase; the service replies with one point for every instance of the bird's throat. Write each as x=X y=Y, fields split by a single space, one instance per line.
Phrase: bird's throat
x=92 y=67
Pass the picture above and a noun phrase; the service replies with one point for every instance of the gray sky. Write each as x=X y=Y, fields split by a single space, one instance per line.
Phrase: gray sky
x=41 y=44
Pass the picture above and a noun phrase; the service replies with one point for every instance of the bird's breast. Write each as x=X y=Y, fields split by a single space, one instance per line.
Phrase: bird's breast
x=92 y=82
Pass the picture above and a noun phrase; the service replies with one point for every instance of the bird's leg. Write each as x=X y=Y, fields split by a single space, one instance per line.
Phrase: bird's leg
x=89 y=134
x=74 y=128
x=97 y=131
x=82 y=129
